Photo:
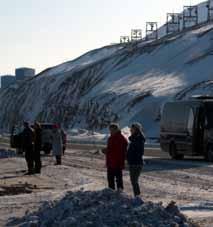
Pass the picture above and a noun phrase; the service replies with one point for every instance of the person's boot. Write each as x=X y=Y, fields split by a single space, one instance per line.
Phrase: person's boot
x=30 y=172
x=38 y=171
x=58 y=160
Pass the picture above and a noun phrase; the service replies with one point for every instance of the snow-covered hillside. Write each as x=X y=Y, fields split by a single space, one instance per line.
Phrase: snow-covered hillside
x=116 y=83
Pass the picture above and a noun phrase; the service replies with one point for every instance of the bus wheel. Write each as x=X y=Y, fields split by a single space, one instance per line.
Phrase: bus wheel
x=209 y=155
x=173 y=152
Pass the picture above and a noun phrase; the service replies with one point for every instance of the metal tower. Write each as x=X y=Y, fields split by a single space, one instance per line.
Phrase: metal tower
x=124 y=39
x=190 y=16
x=173 y=23
x=136 y=34
x=151 y=30
x=210 y=10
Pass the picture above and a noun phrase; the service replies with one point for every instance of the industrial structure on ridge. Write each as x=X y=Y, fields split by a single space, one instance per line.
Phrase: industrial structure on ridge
x=21 y=74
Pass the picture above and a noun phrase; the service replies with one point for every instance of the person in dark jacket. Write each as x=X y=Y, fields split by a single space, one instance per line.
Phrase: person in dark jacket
x=28 y=137
x=37 y=147
x=115 y=157
x=135 y=154
x=64 y=140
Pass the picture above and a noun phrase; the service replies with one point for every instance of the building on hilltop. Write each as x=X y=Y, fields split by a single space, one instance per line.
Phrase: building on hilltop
x=24 y=73
x=7 y=80
x=21 y=74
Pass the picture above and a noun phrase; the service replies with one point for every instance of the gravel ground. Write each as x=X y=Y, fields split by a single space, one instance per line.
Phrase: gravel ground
x=186 y=182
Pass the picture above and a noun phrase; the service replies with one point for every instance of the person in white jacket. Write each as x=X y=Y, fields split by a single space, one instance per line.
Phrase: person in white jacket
x=57 y=144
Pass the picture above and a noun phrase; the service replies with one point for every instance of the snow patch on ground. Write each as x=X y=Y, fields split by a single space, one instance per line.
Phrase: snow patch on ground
x=7 y=153
x=102 y=208
x=198 y=210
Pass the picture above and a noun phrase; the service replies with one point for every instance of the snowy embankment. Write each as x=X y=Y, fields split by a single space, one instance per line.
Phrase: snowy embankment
x=122 y=83
x=84 y=137
x=102 y=208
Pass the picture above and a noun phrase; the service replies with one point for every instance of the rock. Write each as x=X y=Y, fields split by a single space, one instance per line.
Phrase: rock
x=33 y=224
x=137 y=201
x=178 y=219
x=135 y=224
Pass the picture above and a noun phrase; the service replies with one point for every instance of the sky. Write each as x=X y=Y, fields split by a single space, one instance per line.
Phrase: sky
x=44 y=33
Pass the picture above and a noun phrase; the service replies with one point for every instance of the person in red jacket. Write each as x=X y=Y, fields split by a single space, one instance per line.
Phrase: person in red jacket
x=115 y=157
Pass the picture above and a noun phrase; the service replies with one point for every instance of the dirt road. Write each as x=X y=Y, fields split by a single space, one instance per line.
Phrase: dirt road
x=187 y=182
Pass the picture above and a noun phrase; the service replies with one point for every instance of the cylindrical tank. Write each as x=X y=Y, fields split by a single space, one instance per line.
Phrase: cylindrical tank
x=24 y=73
x=7 y=80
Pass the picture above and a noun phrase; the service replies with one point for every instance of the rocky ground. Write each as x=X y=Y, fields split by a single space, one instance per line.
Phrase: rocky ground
x=188 y=182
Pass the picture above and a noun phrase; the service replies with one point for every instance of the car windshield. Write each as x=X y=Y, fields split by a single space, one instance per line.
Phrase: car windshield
x=209 y=114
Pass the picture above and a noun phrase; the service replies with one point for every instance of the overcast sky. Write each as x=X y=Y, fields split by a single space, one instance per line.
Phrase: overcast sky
x=43 y=33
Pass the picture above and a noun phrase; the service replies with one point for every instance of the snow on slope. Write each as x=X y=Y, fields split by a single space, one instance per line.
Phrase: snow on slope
x=86 y=59
x=114 y=83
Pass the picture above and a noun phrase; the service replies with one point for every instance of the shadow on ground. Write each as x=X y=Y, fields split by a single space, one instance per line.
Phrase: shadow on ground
x=16 y=189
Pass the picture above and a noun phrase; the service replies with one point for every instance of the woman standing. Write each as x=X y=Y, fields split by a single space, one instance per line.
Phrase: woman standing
x=135 y=154
x=57 y=144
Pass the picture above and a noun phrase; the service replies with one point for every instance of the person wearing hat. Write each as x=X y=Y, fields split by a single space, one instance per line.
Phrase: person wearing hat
x=115 y=157
x=135 y=154
x=37 y=147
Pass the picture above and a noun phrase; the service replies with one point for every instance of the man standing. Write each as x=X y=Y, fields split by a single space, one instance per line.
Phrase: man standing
x=115 y=157
x=38 y=144
x=28 y=137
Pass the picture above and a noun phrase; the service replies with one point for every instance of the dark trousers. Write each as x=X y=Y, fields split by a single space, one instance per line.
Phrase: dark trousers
x=64 y=148
x=135 y=171
x=58 y=159
x=33 y=159
x=115 y=175
x=29 y=157
x=37 y=160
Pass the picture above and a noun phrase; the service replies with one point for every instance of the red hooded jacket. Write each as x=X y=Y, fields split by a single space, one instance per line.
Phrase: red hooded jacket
x=116 y=151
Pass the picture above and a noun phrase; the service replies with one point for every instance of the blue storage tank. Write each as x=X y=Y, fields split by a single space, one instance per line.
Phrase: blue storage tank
x=7 y=80
x=24 y=73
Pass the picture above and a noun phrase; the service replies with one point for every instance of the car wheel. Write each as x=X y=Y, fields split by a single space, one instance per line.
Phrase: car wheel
x=209 y=155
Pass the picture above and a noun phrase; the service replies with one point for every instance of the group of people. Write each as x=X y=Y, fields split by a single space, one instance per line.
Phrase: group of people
x=31 y=145
x=118 y=150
